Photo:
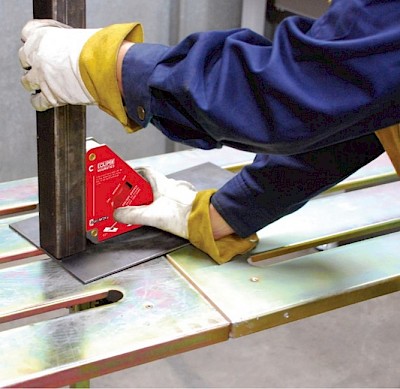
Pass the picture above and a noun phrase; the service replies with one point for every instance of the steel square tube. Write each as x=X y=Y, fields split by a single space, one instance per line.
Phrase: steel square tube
x=61 y=134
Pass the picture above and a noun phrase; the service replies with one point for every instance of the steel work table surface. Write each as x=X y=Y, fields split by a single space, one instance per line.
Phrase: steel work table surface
x=171 y=305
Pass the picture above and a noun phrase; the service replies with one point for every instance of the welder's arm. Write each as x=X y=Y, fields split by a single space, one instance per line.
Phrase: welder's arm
x=274 y=186
x=319 y=82
x=268 y=189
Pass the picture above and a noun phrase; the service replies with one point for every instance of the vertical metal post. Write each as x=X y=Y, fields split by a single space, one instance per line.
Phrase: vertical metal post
x=253 y=15
x=61 y=134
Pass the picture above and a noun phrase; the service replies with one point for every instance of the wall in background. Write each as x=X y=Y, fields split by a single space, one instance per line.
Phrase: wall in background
x=165 y=21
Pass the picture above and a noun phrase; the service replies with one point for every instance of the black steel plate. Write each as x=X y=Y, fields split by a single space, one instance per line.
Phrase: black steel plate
x=134 y=247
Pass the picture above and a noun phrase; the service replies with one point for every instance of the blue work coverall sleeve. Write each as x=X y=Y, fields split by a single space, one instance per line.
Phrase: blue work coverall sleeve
x=319 y=83
x=276 y=185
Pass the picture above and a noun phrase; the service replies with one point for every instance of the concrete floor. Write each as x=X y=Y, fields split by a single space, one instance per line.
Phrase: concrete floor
x=356 y=346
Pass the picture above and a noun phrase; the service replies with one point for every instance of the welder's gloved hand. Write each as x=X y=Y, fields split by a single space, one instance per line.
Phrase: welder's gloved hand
x=67 y=65
x=179 y=209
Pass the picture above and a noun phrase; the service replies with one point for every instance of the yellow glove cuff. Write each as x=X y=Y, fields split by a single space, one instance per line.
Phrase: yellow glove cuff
x=201 y=236
x=98 y=68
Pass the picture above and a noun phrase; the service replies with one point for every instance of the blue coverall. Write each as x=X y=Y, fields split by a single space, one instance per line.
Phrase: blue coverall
x=307 y=103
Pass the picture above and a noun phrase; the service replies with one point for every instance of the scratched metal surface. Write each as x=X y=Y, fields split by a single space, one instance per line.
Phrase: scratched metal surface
x=256 y=298
x=327 y=216
x=159 y=315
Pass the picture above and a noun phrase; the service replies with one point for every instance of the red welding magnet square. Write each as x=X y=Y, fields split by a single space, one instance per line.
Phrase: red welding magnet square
x=110 y=183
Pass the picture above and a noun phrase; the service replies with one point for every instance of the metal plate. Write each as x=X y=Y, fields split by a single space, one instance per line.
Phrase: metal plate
x=112 y=256
x=134 y=247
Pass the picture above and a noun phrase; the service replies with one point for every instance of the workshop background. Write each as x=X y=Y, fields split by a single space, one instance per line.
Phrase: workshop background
x=356 y=346
x=164 y=21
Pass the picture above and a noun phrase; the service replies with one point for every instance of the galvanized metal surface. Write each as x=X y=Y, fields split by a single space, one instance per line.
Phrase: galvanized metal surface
x=159 y=315
x=12 y=245
x=18 y=196
x=331 y=219
x=61 y=134
x=256 y=298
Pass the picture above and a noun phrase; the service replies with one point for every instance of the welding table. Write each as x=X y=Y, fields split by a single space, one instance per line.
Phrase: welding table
x=185 y=301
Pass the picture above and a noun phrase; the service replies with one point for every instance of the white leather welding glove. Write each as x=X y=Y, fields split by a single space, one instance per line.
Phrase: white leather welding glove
x=67 y=65
x=179 y=209
x=50 y=55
